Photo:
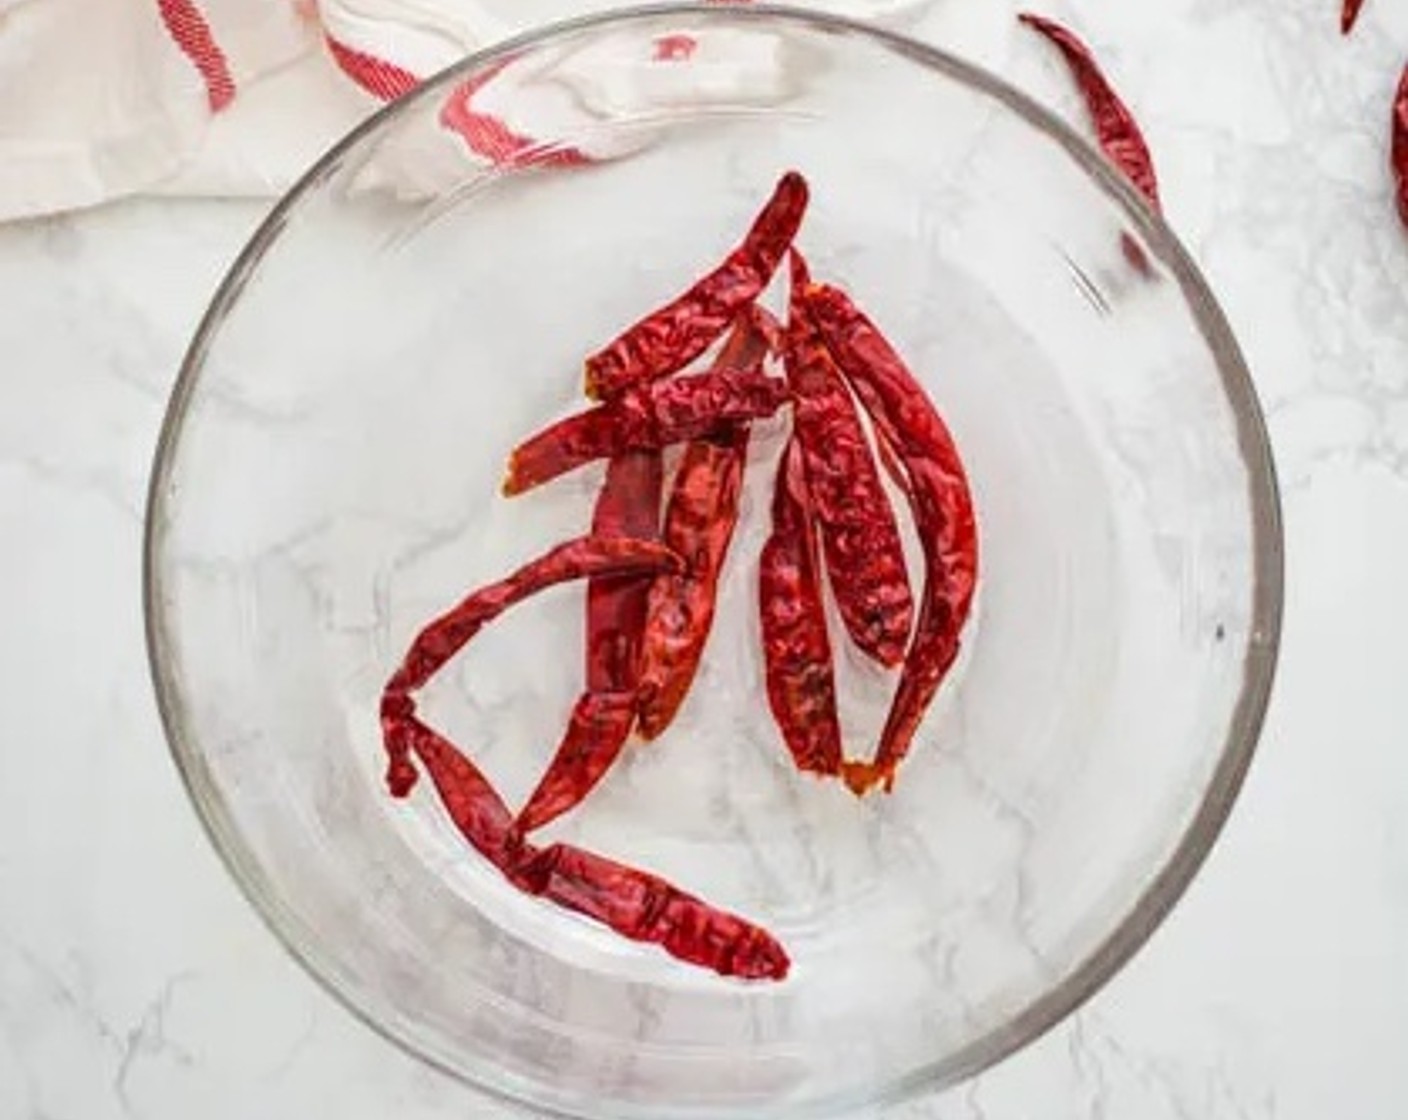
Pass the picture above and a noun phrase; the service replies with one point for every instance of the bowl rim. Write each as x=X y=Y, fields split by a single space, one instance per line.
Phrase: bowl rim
x=1167 y=885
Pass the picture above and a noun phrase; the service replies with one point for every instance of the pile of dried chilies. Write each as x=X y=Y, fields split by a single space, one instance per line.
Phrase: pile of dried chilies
x=652 y=580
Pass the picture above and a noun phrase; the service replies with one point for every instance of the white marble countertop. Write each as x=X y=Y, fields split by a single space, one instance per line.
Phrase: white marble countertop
x=136 y=982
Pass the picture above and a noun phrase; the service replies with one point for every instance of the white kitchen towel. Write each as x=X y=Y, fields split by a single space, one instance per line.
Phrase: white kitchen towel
x=105 y=98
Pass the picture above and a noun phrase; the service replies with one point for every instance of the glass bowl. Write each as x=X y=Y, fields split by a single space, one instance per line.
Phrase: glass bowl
x=328 y=479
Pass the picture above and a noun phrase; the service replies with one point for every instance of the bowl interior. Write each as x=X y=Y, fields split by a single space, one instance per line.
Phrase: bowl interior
x=328 y=481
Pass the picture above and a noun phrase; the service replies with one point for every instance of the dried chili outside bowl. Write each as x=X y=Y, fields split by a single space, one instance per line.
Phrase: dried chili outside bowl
x=328 y=476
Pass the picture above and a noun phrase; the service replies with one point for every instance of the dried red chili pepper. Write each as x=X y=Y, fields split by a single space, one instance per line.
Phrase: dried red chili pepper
x=644 y=907
x=860 y=539
x=943 y=515
x=1400 y=145
x=585 y=556
x=651 y=416
x=671 y=337
x=1115 y=127
x=634 y=903
x=629 y=506
x=597 y=730
x=801 y=684
x=699 y=524
x=476 y=808
x=1348 y=14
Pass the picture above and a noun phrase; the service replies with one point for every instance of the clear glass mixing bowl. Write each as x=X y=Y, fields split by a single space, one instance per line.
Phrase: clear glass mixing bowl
x=327 y=480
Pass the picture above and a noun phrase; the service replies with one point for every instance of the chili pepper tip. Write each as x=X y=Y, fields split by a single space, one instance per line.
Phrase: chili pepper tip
x=794 y=182
x=512 y=484
x=1031 y=19
x=401 y=778
x=772 y=963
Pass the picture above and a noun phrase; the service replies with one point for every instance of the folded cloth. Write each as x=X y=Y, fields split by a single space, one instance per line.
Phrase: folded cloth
x=236 y=97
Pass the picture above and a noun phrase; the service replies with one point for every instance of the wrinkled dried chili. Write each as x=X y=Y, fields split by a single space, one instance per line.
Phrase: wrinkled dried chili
x=598 y=728
x=699 y=524
x=702 y=513
x=652 y=416
x=1400 y=146
x=671 y=337
x=801 y=684
x=943 y=515
x=644 y=907
x=634 y=903
x=628 y=506
x=1348 y=14
x=1119 y=134
x=860 y=539
x=475 y=807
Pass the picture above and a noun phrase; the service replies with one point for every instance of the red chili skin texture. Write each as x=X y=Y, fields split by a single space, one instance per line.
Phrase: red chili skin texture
x=765 y=323
x=651 y=417
x=634 y=903
x=1400 y=145
x=586 y=556
x=629 y=506
x=860 y=539
x=671 y=337
x=597 y=730
x=1115 y=127
x=644 y=907
x=473 y=804
x=617 y=607
x=801 y=684
x=943 y=515
x=1348 y=14
x=699 y=525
